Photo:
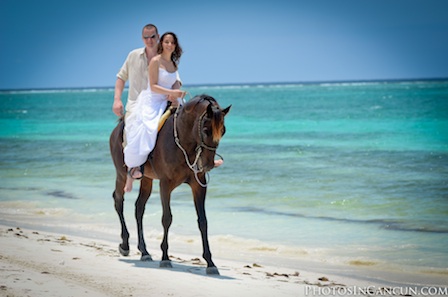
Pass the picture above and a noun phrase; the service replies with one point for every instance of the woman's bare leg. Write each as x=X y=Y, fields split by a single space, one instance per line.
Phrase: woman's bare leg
x=133 y=174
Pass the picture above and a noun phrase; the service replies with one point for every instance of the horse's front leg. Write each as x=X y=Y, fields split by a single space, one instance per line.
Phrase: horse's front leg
x=140 y=205
x=199 y=193
x=167 y=219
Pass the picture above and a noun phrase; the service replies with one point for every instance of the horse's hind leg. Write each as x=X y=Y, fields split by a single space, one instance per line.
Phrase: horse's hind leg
x=199 y=193
x=140 y=204
x=116 y=150
x=123 y=247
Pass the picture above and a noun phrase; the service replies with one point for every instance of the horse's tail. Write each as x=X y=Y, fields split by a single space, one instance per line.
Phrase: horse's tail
x=116 y=141
x=117 y=133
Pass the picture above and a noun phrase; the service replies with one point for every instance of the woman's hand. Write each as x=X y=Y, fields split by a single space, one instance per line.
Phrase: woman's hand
x=175 y=94
x=178 y=94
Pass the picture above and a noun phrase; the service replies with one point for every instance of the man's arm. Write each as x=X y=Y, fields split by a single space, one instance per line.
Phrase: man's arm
x=177 y=85
x=172 y=99
x=117 y=107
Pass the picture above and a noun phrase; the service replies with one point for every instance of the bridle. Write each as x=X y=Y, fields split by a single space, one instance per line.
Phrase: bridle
x=201 y=134
x=196 y=166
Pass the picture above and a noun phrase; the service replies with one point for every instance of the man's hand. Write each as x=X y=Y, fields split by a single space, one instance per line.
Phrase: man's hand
x=117 y=108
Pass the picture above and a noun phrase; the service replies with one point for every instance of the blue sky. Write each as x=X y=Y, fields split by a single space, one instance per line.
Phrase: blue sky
x=79 y=43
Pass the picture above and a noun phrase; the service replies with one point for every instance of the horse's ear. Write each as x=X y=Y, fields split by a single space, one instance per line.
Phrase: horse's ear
x=210 y=112
x=226 y=110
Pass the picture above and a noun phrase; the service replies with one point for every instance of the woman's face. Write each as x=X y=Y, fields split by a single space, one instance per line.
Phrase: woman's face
x=168 y=43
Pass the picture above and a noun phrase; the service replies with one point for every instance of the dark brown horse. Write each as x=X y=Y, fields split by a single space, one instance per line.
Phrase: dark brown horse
x=184 y=152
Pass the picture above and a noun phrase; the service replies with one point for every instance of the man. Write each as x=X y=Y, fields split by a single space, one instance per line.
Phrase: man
x=135 y=70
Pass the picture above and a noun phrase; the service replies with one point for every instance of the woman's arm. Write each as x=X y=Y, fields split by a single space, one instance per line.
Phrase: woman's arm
x=154 y=78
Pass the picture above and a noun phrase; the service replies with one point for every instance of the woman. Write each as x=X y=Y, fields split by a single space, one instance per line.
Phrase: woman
x=141 y=126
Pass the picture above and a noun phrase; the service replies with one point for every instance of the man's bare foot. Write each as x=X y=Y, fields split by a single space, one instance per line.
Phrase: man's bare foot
x=218 y=163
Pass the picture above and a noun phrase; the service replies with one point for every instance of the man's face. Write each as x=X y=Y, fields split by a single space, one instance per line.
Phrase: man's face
x=150 y=37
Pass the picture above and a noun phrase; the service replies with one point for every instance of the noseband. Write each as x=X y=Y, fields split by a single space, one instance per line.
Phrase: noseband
x=196 y=166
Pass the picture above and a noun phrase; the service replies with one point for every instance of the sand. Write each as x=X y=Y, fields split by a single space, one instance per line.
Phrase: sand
x=36 y=263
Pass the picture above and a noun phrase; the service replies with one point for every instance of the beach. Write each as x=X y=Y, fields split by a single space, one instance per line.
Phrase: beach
x=36 y=263
x=46 y=264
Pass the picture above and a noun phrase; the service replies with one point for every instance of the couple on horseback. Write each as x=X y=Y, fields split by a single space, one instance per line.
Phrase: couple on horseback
x=186 y=144
x=160 y=59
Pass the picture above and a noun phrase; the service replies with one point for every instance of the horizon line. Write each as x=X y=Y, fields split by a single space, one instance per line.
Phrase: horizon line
x=247 y=84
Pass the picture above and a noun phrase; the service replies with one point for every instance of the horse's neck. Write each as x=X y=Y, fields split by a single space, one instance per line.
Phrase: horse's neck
x=186 y=130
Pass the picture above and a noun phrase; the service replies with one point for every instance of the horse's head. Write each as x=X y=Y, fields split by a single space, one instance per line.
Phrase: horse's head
x=207 y=126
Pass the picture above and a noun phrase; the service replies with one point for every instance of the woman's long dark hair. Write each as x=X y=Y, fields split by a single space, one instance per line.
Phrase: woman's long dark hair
x=177 y=53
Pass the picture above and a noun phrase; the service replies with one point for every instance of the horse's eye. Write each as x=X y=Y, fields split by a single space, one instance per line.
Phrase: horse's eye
x=207 y=131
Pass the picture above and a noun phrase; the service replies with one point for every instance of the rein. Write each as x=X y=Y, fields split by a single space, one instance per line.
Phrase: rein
x=195 y=167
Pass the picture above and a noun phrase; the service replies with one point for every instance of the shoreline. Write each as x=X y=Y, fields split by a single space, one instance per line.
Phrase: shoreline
x=44 y=263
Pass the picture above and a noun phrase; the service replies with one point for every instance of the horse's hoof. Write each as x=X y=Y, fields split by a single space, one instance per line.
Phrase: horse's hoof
x=122 y=251
x=165 y=264
x=212 y=270
x=146 y=258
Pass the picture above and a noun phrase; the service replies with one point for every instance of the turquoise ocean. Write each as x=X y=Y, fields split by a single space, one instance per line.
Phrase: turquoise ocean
x=353 y=174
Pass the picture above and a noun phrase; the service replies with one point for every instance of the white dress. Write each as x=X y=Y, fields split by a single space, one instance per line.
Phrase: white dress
x=141 y=126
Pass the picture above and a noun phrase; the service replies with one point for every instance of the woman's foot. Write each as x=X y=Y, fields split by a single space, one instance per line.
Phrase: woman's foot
x=133 y=174
x=128 y=185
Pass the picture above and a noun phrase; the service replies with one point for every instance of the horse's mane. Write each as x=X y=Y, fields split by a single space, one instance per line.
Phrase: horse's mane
x=217 y=124
x=214 y=113
x=199 y=99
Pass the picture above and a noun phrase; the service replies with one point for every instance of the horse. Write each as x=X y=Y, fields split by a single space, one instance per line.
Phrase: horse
x=184 y=153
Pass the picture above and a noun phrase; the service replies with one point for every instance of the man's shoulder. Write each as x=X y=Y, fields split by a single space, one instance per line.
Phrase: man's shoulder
x=137 y=51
